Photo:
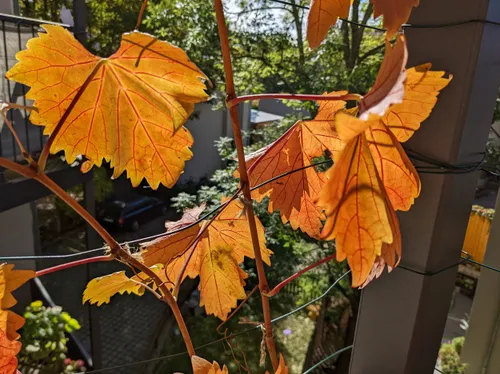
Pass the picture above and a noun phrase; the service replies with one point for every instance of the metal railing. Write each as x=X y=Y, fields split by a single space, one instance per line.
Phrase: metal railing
x=16 y=31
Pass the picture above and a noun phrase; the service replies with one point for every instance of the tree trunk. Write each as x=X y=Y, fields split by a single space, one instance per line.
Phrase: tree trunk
x=297 y=19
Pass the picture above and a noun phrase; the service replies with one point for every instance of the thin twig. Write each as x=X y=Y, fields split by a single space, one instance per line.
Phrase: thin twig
x=286 y=96
x=282 y=284
x=25 y=154
x=237 y=308
x=238 y=139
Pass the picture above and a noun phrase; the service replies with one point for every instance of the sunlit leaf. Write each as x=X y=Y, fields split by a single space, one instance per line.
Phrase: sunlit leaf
x=215 y=257
x=357 y=209
x=282 y=368
x=100 y=290
x=10 y=322
x=202 y=366
x=322 y=15
x=294 y=195
x=127 y=109
x=395 y=12
x=8 y=351
x=422 y=87
x=11 y=280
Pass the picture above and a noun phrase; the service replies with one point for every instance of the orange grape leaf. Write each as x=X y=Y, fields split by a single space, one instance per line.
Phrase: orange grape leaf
x=202 y=366
x=100 y=290
x=10 y=322
x=397 y=173
x=8 y=351
x=357 y=209
x=322 y=15
x=11 y=280
x=282 y=368
x=127 y=109
x=388 y=88
x=391 y=253
x=216 y=258
x=294 y=195
x=422 y=87
x=396 y=13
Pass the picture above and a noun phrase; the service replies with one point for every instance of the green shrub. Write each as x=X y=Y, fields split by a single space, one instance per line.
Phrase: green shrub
x=44 y=340
x=449 y=354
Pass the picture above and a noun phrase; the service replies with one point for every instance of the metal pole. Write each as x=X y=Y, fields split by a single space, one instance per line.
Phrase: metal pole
x=80 y=14
x=402 y=316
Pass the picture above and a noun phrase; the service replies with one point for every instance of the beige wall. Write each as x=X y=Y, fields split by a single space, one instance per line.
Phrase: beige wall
x=7 y=6
x=17 y=238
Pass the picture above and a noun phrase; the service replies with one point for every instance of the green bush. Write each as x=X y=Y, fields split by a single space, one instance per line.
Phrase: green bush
x=44 y=341
x=449 y=354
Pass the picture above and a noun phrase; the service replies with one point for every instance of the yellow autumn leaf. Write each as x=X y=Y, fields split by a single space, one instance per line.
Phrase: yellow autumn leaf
x=127 y=109
x=215 y=258
x=100 y=290
x=422 y=87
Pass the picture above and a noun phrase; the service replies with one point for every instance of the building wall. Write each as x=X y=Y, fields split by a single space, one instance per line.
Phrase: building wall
x=18 y=239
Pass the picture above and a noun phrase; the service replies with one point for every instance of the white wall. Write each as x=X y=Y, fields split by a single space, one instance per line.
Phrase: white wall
x=206 y=129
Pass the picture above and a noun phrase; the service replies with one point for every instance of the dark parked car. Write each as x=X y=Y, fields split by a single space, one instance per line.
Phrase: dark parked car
x=129 y=215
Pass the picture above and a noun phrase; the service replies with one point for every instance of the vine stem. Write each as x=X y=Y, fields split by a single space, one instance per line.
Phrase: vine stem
x=286 y=96
x=72 y=264
x=282 y=284
x=245 y=185
x=115 y=248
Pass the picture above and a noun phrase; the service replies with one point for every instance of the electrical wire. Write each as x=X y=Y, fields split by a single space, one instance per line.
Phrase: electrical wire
x=335 y=354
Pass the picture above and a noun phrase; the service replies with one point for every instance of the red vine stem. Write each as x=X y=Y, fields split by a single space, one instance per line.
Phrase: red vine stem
x=286 y=96
x=245 y=185
x=115 y=248
x=282 y=284
x=72 y=264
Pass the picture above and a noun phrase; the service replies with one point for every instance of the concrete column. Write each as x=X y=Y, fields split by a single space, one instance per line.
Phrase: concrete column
x=402 y=316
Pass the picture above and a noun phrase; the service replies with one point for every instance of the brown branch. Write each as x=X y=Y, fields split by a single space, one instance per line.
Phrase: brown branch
x=233 y=111
x=371 y=52
x=286 y=96
x=115 y=248
x=26 y=155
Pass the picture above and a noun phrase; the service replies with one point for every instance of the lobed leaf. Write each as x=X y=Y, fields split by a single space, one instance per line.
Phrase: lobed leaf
x=294 y=195
x=422 y=87
x=215 y=258
x=100 y=290
x=357 y=209
x=202 y=366
x=127 y=109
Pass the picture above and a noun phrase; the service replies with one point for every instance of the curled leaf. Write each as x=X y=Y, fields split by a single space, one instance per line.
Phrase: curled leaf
x=388 y=88
x=395 y=12
x=127 y=109
x=322 y=15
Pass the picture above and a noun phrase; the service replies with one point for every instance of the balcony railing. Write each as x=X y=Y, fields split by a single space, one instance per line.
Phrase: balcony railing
x=15 y=32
